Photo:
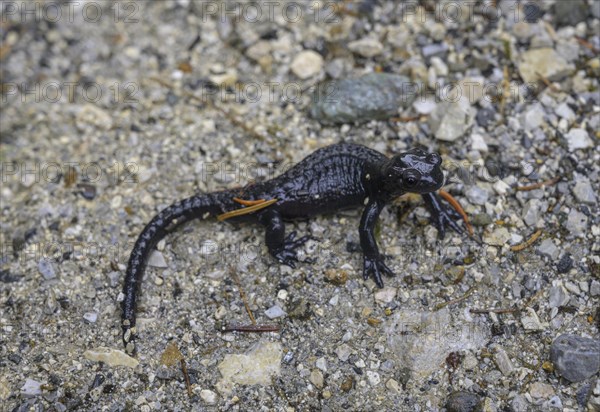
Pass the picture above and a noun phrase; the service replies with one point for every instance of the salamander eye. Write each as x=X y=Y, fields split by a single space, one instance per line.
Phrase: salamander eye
x=411 y=178
x=434 y=158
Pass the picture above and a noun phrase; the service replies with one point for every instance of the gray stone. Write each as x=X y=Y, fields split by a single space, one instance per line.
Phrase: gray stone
x=275 y=312
x=46 y=269
x=578 y=139
x=157 y=260
x=257 y=366
x=531 y=321
x=593 y=403
x=555 y=403
x=209 y=397
x=531 y=212
x=343 y=352
x=533 y=117
x=90 y=317
x=563 y=110
x=595 y=288
x=416 y=338
x=111 y=357
x=462 y=401
x=576 y=223
x=548 y=248
x=370 y=97
x=424 y=106
x=544 y=61
x=596 y=9
x=571 y=12
x=540 y=390
x=316 y=378
x=477 y=195
x=31 y=388
x=503 y=362
x=575 y=358
x=435 y=49
x=306 y=64
x=498 y=237
x=558 y=296
x=584 y=192
x=519 y=404
x=366 y=47
x=451 y=119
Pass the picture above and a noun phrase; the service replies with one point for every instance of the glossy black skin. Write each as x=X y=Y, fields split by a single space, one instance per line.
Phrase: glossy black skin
x=332 y=178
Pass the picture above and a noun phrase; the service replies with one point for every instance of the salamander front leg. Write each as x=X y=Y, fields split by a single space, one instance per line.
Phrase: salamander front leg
x=373 y=264
x=281 y=247
x=442 y=216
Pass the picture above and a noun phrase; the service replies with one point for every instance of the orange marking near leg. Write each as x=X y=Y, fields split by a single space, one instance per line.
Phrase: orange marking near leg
x=248 y=202
x=245 y=210
x=454 y=203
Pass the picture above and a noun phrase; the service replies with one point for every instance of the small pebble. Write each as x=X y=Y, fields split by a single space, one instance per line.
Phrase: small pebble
x=46 y=268
x=31 y=388
x=503 y=361
x=343 y=352
x=316 y=378
x=584 y=192
x=540 y=390
x=576 y=223
x=366 y=47
x=530 y=321
x=558 y=297
x=157 y=260
x=385 y=295
x=306 y=64
x=462 y=402
x=565 y=264
x=578 y=139
x=209 y=397
x=90 y=317
x=275 y=312
x=548 y=248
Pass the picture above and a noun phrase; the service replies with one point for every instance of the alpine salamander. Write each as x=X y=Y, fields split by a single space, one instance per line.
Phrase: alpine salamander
x=332 y=178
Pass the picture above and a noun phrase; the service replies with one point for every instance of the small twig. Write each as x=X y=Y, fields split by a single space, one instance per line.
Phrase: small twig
x=245 y=210
x=505 y=87
x=251 y=328
x=454 y=203
x=243 y=296
x=547 y=82
x=494 y=310
x=457 y=300
x=528 y=242
x=186 y=376
x=538 y=185
x=587 y=44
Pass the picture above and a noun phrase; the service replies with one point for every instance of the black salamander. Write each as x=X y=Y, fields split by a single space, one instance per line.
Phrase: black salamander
x=335 y=177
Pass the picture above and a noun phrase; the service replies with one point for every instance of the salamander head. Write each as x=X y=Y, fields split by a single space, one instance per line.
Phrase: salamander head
x=415 y=171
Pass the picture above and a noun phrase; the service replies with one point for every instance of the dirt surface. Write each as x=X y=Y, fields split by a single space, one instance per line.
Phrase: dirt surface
x=112 y=111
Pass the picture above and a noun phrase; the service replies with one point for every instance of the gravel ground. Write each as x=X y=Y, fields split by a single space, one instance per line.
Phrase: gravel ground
x=112 y=111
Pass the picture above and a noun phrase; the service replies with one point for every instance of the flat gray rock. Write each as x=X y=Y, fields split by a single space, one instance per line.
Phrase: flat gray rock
x=575 y=358
x=374 y=96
